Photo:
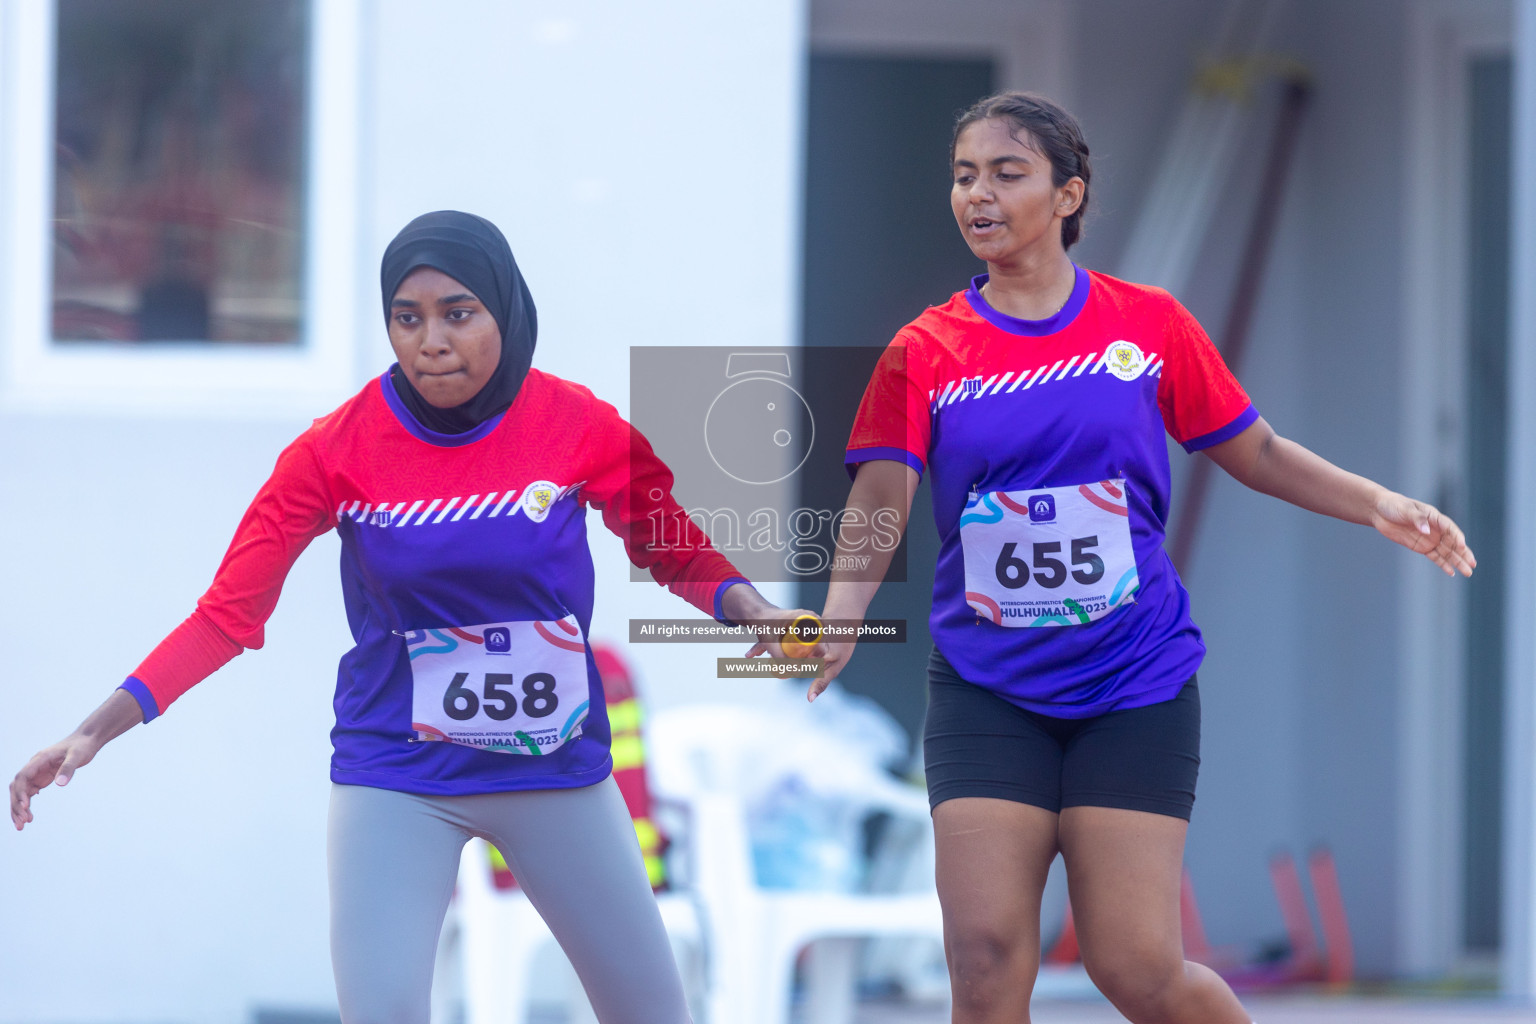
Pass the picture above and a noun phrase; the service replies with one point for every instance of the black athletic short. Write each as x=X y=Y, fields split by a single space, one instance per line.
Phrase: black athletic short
x=976 y=743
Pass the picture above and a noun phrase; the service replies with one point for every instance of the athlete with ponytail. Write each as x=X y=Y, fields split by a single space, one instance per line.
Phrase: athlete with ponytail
x=1063 y=712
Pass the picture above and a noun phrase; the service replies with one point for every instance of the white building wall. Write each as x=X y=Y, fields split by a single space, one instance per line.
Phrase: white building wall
x=644 y=162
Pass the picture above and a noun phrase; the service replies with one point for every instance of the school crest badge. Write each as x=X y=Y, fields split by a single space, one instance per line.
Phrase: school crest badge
x=538 y=498
x=1125 y=360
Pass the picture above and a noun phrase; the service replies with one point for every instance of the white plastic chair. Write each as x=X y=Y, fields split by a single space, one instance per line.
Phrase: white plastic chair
x=709 y=758
x=493 y=937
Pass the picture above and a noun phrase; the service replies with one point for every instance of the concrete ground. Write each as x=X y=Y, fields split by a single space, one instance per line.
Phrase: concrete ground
x=1295 y=1009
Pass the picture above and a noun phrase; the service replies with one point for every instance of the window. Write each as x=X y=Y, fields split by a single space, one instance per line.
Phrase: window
x=180 y=200
x=178 y=171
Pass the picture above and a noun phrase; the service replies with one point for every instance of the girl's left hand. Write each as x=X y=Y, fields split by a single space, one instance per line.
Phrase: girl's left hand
x=1425 y=529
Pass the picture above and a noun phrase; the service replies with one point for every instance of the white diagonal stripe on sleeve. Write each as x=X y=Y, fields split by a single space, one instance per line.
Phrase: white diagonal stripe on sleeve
x=393 y=513
x=1042 y=372
x=465 y=508
x=504 y=499
x=446 y=509
x=1086 y=361
x=1156 y=369
x=945 y=394
x=1016 y=383
x=1000 y=383
x=1100 y=364
x=1067 y=368
x=419 y=502
x=362 y=516
x=341 y=510
x=485 y=504
x=430 y=509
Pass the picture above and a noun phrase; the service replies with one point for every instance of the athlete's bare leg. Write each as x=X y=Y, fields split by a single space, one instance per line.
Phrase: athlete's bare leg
x=992 y=857
x=1123 y=870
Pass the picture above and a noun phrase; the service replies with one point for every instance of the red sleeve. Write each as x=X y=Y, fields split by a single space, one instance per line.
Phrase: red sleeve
x=1201 y=401
x=632 y=488
x=894 y=419
x=290 y=510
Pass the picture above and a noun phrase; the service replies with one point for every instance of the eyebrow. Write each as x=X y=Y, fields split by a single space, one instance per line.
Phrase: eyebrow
x=446 y=300
x=997 y=162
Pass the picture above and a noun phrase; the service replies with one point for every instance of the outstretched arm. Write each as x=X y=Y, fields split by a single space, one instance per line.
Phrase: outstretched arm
x=289 y=511
x=57 y=764
x=1263 y=460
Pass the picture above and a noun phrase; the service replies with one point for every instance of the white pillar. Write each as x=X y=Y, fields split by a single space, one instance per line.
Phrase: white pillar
x=1519 y=940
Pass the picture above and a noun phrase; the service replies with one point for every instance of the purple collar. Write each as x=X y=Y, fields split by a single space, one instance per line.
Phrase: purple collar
x=1031 y=328
x=421 y=433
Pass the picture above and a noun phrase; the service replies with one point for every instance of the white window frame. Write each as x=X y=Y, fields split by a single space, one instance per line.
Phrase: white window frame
x=1443 y=36
x=39 y=375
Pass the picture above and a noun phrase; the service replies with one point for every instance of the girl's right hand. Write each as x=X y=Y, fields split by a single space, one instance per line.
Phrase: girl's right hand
x=56 y=765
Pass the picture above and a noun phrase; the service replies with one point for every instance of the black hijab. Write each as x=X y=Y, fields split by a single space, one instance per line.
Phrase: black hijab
x=473 y=252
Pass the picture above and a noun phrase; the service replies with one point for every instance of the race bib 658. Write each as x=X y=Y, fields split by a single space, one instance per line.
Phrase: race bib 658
x=510 y=687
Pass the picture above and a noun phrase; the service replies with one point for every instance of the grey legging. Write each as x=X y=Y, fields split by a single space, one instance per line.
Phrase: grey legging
x=393 y=861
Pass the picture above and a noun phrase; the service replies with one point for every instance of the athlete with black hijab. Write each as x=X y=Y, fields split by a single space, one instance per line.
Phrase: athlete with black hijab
x=470 y=704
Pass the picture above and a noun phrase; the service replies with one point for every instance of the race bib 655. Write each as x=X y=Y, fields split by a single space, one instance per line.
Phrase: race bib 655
x=1051 y=556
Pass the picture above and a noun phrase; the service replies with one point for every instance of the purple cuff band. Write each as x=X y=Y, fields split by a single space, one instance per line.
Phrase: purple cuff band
x=720 y=597
x=1245 y=419
x=135 y=686
x=858 y=456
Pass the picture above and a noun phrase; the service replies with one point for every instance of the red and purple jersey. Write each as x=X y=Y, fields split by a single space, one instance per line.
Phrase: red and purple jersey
x=1014 y=411
x=439 y=532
